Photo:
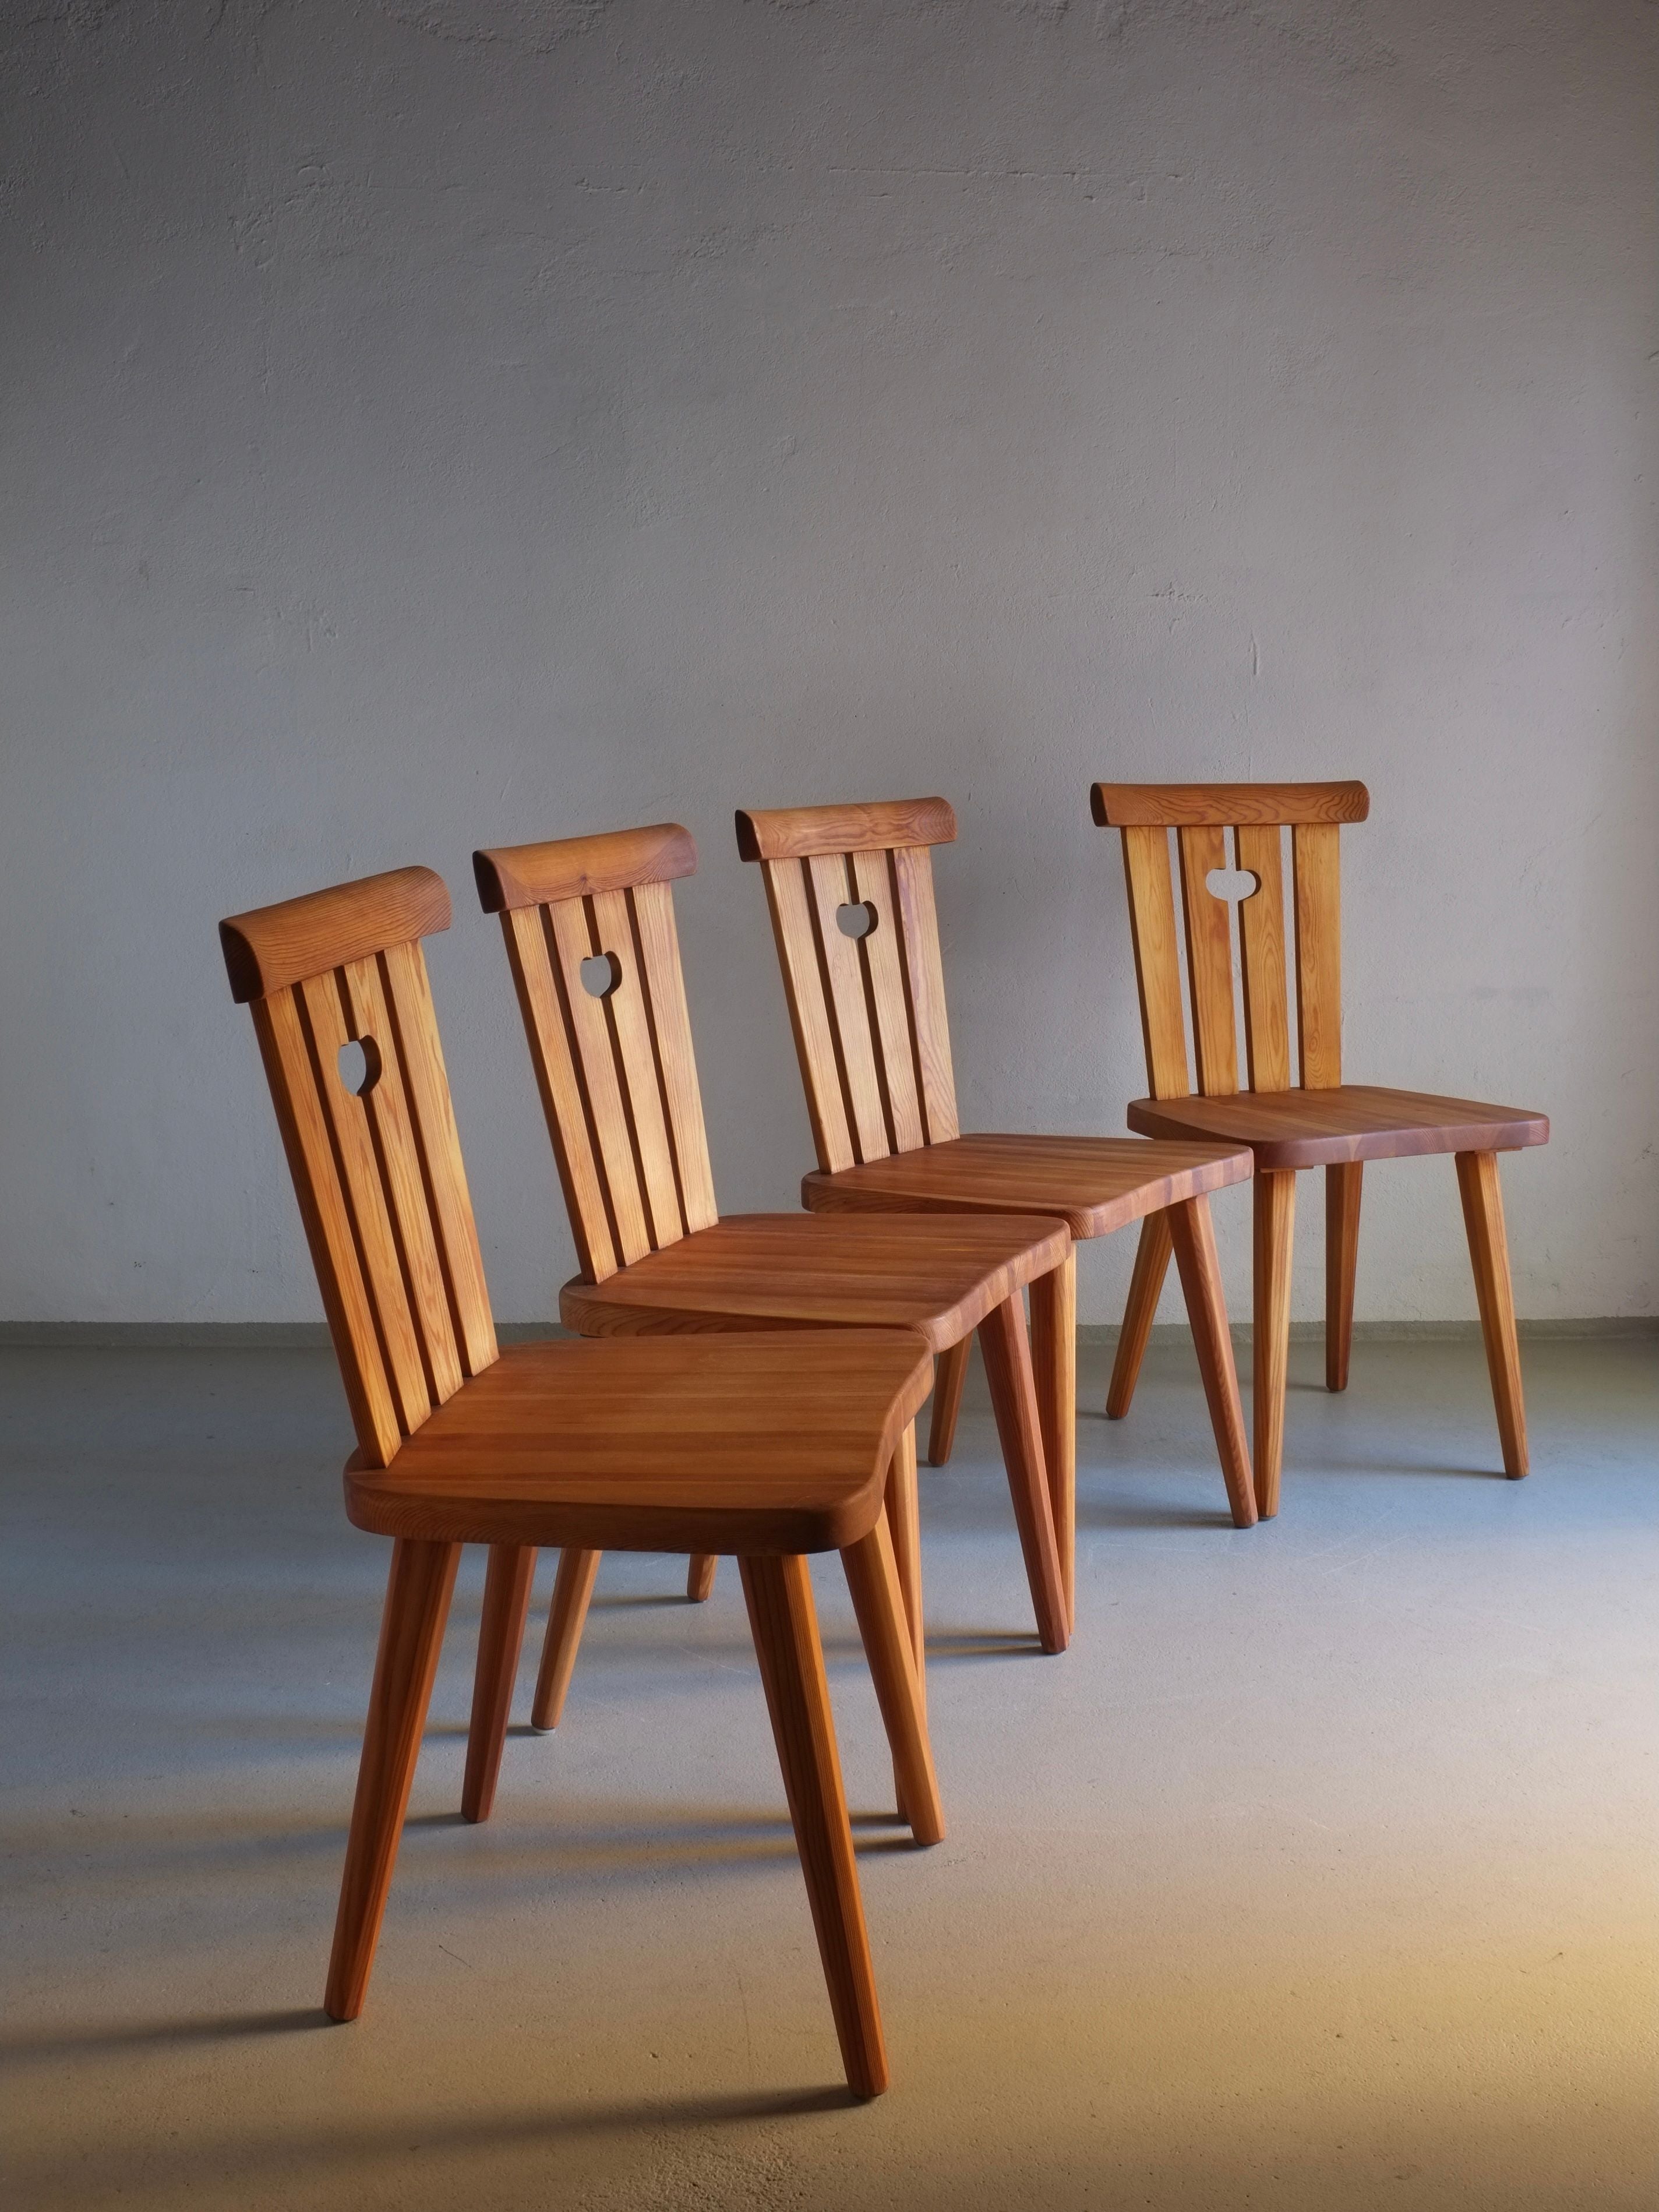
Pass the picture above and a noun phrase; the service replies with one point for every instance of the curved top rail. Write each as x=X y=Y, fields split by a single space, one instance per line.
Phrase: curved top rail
x=1225 y=805
x=796 y=833
x=270 y=947
x=511 y=876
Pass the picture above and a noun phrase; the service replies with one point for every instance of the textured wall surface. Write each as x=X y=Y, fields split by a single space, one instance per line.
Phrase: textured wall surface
x=428 y=425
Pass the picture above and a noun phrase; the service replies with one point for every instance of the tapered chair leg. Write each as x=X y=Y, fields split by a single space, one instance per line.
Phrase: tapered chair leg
x=1193 y=1237
x=950 y=1373
x=501 y=1638
x=1053 y=1361
x=700 y=1577
x=411 y=1633
x=1342 y=1187
x=877 y=1601
x=1489 y=1249
x=1145 y=1288
x=778 y=1595
x=1007 y=1353
x=573 y=1587
x=903 y=1520
x=1275 y=1223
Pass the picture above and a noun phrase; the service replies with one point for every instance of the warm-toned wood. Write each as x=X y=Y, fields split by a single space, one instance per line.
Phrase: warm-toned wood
x=573 y=1591
x=937 y=1274
x=842 y=963
x=418 y=1589
x=500 y=1638
x=924 y=976
x=1354 y=1122
x=877 y=1601
x=1209 y=959
x=1053 y=1365
x=1127 y=806
x=1006 y=1352
x=602 y=1080
x=272 y=947
x=1157 y=966
x=1274 y=1193
x=796 y=833
x=1318 y=900
x=778 y=1595
x=1261 y=956
x=1145 y=1288
x=1489 y=1250
x=1093 y=1184
x=889 y=1000
x=700 y=1577
x=1192 y=1238
x=790 y=907
x=659 y=954
x=950 y=1374
x=1342 y=1189
x=904 y=1530
x=579 y=867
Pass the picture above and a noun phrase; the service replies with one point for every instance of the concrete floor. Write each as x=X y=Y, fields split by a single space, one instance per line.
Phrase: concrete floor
x=1319 y=1874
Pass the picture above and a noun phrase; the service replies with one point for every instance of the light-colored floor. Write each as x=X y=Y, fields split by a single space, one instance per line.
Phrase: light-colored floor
x=1319 y=1874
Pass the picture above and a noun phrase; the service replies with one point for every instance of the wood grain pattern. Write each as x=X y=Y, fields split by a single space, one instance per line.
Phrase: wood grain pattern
x=924 y=976
x=872 y=1578
x=1139 y=1312
x=501 y=1638
x=1262 y=957
x=1132 y=805
x=573 y=1592
x=1158 y=967
x=1342 y=1193
x=1318 y=954
x=796 y=833
x=510 y=876
x=1054 y=1367
x=1192 y=1238
x=950 y=1375
x=1352 y=1121
x=841 y=964
x=1483 y=1218
x=809 y=1013
x=587 y=1024
x=670 y=1028
x=1006 y=1352
x=634 y=1050
x=889 y=1002
x=272 y=947
x=1209 y=961
x=1274 y=1198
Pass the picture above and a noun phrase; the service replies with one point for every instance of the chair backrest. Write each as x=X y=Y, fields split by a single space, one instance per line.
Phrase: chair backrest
x=377 y=1170
x=1201 y=815
x=589 y=923
x=867 y=1004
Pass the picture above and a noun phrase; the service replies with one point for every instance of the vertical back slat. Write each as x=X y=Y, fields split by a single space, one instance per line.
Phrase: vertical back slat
x=294 y=1090
x=791 y=926
x=541 y=1003
x=1318 y=953
x=1261 y=956
x=403 y=1179
x=670 y=1028
x=849 y=1011
x=630 y=1012
x=321 y=1004
x=884 y=961
x=1158 y=971
x=568 y=926
x=1209 y=961
x=924 y=976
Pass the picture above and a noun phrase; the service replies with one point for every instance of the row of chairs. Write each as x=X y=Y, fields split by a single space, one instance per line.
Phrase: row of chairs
x=750 y=1384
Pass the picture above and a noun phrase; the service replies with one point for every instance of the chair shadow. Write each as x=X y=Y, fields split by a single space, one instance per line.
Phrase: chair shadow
x=1119 y=1514
x=22 y=2049
x=948 y=1644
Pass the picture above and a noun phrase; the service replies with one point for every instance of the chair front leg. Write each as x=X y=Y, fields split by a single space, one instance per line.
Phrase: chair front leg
x=501 y=1638
x=1053 y=1362
x=950 y=1373
x=1193 y=1234
x=1275 y=1225
x=1342 y=1187
x=700 y=1577
x=1145 y=1288
x=878 y=1601
x=411 y=1634
x=1007 y=1352
x=903 y=1514
x=1489 y=1249
x=573 y=1587
x=782 y=1617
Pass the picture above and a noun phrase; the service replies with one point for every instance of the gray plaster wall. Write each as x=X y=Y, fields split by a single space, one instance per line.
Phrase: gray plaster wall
x=452 y=422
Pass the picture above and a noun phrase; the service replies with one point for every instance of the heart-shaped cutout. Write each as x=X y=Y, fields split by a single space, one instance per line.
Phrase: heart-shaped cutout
x=601 y=972
x=1231 y=885
x=359 y=1065
x=857 y=920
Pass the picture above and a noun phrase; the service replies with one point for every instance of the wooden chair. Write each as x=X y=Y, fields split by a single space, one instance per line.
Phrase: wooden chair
x=1324 y=1122
x=771 y=1446
x=851 y=894
x=589 y=925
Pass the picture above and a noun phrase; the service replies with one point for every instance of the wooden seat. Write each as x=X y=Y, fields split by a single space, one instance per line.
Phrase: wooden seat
x=850 y=890
x=591 y=942
x=1321 y=1122
x=767 y=1445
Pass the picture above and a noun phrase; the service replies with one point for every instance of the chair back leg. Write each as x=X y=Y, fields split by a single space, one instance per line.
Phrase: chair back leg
x=950 y=1373
x=1145 y=1288
x=700 y=1577
x=501 y=1638
x=1053 y=1361
x=572 y=1586
x=1193 y=1234
x=1007 y=1353
x=1274 y=1192
x=1342 y=1188
x=1489 y=1249
x=779 y=1595
x=872 y=1578
x=411 y=1633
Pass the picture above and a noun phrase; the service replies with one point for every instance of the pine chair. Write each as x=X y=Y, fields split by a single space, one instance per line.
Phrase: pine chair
x=851 y=894
x=1321 y=1122
x=590 y=932
x=771 y=1446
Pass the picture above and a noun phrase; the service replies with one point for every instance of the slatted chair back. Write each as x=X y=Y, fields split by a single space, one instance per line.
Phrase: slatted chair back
x=1255 y=815
x=589 y=923
x=377 y=1168
x=868 y=1006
